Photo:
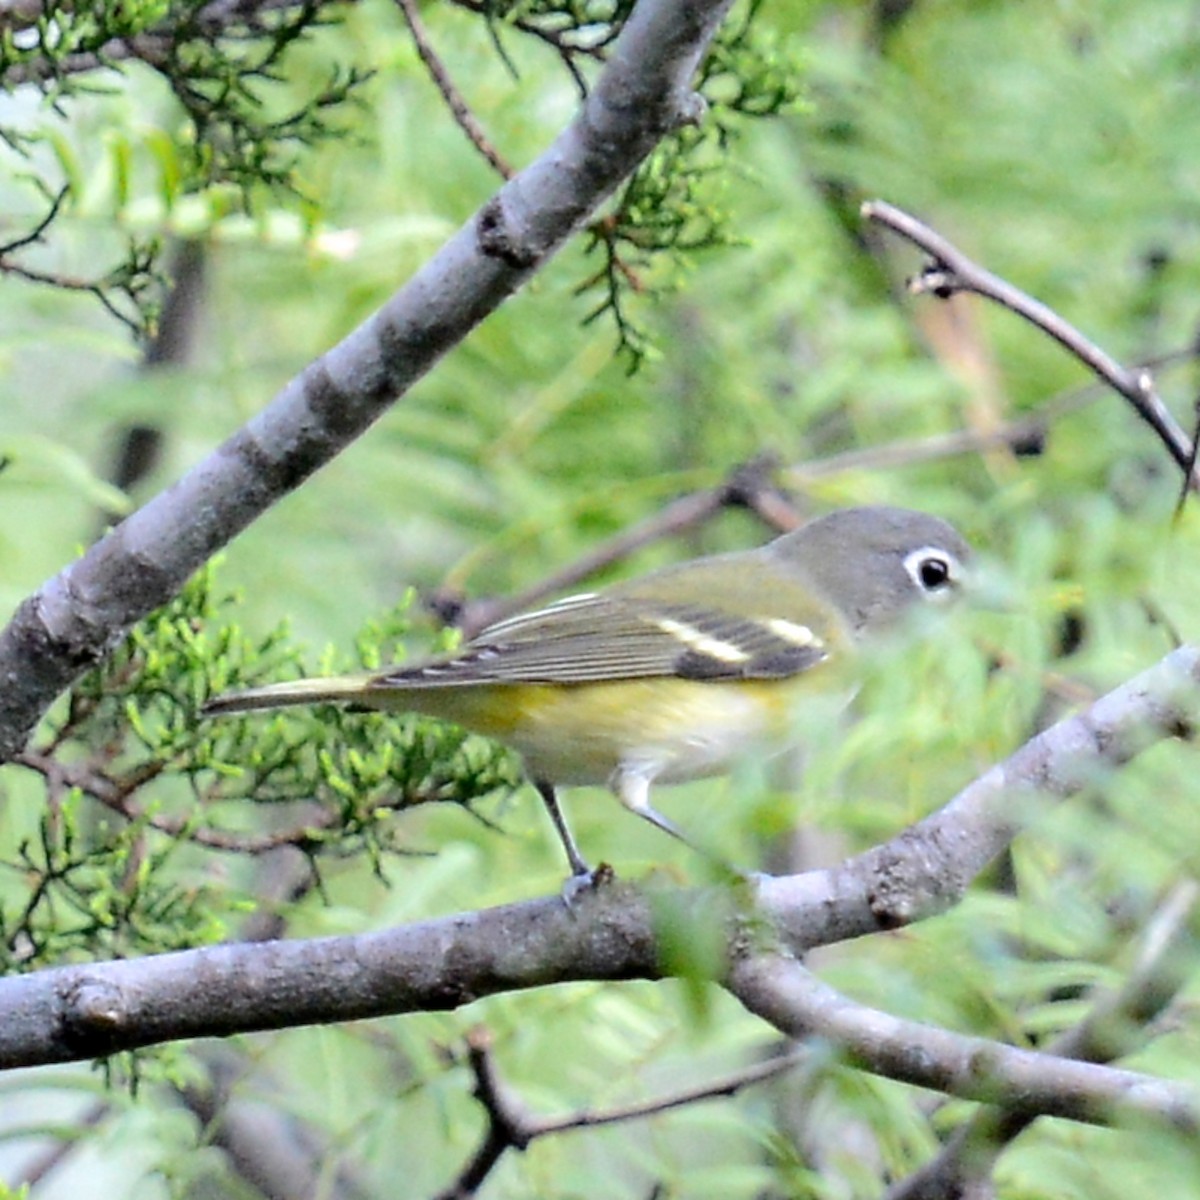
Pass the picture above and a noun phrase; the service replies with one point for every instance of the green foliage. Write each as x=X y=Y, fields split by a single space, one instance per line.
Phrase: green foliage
x=672 y=207
x=226 y=70
x=97 y=895
x=241 y=127
x=247 y=131
x=138 y=785
x=1056 y=144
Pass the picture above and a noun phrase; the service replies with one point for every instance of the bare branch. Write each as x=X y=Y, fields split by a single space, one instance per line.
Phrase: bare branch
x=35 y=234
x=780 y=990
x=929 y=866
x=952 y=271
x=511 y=1126
x=748 y=486
x=71 y=283
x=565 y=42
x=458 y=107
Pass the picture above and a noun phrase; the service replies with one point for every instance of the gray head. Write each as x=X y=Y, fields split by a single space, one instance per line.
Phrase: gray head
x=873 y=564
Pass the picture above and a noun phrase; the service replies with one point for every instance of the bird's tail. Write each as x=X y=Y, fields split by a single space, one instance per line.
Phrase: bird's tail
x=280 y=695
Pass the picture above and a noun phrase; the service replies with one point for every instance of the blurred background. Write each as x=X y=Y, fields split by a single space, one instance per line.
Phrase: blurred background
x=1056 y=144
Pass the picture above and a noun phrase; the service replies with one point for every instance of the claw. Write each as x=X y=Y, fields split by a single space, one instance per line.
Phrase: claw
x=580 y=884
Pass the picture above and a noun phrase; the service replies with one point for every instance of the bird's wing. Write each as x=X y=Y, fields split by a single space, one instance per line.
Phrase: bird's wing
x=620 y=635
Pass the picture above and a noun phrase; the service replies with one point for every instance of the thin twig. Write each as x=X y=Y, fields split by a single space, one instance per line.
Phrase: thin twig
x=512 y=1126
x=1191 y=466
x=115 y=794
x=35 y=1171
x=952 y=271
x=1028 y=431
x=35 y=234
x=70 y=283
x=914 y=451
x=564 y=46
x=748 y=486
x=458 y=107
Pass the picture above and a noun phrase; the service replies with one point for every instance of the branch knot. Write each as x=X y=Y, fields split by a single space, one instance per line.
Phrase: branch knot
x=497 y=239
x=95 y=1016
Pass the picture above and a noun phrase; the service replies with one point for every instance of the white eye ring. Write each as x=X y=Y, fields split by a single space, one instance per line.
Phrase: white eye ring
x=932 y=570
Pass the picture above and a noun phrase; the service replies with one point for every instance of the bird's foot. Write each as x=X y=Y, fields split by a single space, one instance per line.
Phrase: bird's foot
x=579 y=883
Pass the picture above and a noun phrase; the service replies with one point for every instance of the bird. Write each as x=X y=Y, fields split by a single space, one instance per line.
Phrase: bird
x=672 y=675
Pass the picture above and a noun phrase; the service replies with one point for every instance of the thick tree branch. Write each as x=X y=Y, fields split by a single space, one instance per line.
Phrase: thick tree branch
x=76 y=1013
x=928 y=867
x=783 y=992
x=76 y=617
x=952 y=271
x=82 y=1012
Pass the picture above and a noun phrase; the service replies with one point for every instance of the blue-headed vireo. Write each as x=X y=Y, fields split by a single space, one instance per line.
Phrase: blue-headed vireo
x=673 y=675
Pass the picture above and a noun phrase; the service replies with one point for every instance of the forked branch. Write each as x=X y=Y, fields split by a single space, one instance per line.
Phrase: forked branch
x=950 y=270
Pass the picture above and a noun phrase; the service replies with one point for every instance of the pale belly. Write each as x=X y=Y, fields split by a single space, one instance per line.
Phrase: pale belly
x=668 y=730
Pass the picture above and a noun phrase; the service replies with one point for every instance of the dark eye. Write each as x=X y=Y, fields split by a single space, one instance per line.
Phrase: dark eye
x=933 y=573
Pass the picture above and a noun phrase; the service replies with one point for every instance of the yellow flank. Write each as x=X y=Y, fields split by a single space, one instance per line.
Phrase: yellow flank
x=582 y=733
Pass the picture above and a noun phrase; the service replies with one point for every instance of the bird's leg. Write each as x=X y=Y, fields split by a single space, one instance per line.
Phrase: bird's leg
x=579 y=867
x=633 y=790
